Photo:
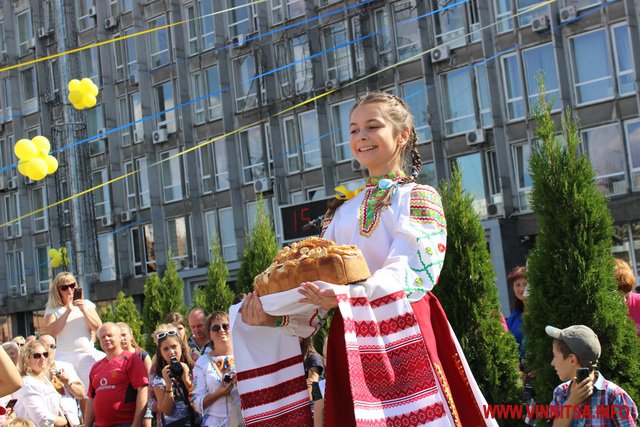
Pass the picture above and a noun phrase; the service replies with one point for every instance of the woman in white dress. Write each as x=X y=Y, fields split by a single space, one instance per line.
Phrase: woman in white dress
x=73 y=323
x=38 y=400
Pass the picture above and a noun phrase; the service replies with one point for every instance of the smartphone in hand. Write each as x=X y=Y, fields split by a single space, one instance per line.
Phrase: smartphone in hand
x=77 y=294
x=582 y=373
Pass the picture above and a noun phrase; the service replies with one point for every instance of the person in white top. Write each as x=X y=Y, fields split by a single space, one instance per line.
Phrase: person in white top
x=66 y=380
x=73 y=322
x=38 y=400
x=215 y=395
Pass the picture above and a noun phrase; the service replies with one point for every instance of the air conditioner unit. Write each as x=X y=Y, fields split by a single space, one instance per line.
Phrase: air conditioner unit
x=133 y=79
x=239 y=40
x=441 y=53
x=106 y=221
x=160 y=135
x=495 y=209
x=475 y=137
x=355 y=165
x=261 y=185
x=567 y=14
x=110 y=22
x=540 y=24
x=12 y=184
x=330 y=84
x=101 y=133
x=126 y=216
x=92 y=11
x=42 y=32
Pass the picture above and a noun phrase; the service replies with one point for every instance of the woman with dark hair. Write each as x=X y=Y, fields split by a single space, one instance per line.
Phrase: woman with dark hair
x=517 y=279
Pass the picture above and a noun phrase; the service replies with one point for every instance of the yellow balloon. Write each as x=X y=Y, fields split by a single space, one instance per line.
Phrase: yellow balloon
x=22 y=167
x=52 y=253
x=89 y=100
x=36 y=169
x=73 y=85
x=94 y=89
x=79 y=105
x=42 y=144
x=55 y=263
x=25 y=149
x=86 y=85
x=75 y=96
x=52 y=164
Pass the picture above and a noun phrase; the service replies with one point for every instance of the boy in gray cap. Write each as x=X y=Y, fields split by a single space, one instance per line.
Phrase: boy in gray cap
x=606 y=403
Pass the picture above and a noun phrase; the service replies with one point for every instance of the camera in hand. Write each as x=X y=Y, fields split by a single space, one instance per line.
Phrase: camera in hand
x=227 y=378
x=175 y=368
x=56 y=372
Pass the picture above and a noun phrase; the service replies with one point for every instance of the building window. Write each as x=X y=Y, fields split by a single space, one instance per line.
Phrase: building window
x=3 y=43
x=228 y=234
x=25 y=33
x=520 y=154
x=142 y=181
x=292 y=144
x=415 y=95
x=130 y=187
x=211 y=223
x=29 y=88
x=253 y=166
x=239 y=18
x=165 y=103
x=632 y=133
x=504 y=16
x=459 y=114
x=626 y=245
x=428 y=175
x=8 y=100
x=95 y=126
x=222 y=165
x=493 y=178
x=484 y=98
x=172 y=176
x=179 y=237
x=340 y=115
x=12 y=211
x=102 y=201
x=135 y=106
x=337 y=59
x=623 y=59
x=84 y=10
x=212 y=80
x=303 y=76
x=144 y=252
x=15 y=273
x=66 y=206
x=107 y=251
x=197 y=87
x=406 y=28
x=593 y=79
x=513 y=91
x=206 y=168
x=207 y=25
x=192 y=30
x=585 y=4
x=606 y=151
x=541 y=59
x=527 y=13
x=159 y=42
x=470 y=167
x=245 y=82
x=39 y=201
x=310 y=139
x=43 y=273
x=384 y=39
x=90 y=64
x=131 y=54
x=453 y=22
x=124 y=116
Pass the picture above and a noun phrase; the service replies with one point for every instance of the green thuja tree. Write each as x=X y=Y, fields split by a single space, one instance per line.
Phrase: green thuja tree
x=469 y=296
x=152 y=314
x=570 y=270
x=216 y=295
x=259 y=250
x=172 y=290
x=124 y=310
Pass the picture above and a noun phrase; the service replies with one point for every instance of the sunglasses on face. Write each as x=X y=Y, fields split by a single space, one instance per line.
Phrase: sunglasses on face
x=66 y=287
x=20 y=344
x=217 y=327
x=39 y=355
x=163 y=335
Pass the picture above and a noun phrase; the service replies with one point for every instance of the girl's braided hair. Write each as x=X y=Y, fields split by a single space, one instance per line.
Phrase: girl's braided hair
x=396 y=111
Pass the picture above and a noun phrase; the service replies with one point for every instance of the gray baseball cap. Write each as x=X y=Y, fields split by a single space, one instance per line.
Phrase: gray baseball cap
x=581 y=340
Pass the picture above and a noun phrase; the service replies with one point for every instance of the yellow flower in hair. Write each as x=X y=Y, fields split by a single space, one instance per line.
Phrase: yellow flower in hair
x=343 y=193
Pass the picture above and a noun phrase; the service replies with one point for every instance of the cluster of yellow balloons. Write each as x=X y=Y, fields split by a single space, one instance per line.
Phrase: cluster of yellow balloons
x=35 y=160
x=82 y=93
x=58 y=257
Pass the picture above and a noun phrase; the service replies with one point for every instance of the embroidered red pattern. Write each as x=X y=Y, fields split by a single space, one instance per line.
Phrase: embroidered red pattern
x=273 y=394
x=270 y=369
x=386 y=327
x=414 y=418
x=299 y=417
x=379 y=302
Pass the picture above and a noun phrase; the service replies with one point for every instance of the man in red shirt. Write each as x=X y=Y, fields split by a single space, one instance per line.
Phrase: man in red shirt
x=118 y=384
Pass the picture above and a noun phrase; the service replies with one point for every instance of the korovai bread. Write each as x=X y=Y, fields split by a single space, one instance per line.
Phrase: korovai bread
x=309 y=260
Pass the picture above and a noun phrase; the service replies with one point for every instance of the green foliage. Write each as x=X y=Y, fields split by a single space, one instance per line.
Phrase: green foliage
x=259 y=250
x=570 y=270
x=124 y=310
x=216 y=295
x=469 y=296
x=172 y=290
x=152 y=308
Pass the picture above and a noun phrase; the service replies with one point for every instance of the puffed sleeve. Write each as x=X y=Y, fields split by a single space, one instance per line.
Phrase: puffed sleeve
x=417 y=251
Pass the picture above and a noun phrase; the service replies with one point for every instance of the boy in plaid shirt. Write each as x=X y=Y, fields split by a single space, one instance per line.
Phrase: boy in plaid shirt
x=594 y=402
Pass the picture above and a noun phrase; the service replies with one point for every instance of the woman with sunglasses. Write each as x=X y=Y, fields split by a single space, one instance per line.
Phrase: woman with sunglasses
x=73 y=322
x=38 y=400
x=172 y=390
x=216 y=395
